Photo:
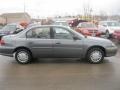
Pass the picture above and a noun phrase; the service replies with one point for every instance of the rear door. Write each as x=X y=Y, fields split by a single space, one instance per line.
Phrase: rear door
x=39 y=40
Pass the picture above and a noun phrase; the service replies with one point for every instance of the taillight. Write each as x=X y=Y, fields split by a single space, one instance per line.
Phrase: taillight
x=2 y=42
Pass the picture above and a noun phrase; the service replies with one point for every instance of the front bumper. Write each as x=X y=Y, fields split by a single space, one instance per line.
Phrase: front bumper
x=111 y=51
x=6 y=51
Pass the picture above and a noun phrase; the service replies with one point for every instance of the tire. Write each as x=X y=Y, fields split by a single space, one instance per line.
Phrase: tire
x=99 y=55
x=23 y=56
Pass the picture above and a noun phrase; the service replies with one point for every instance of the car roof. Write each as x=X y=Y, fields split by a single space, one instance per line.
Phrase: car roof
x=35 y=26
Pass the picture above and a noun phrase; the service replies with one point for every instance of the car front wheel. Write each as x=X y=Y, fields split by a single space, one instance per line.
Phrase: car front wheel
x=95 y=55
x=23 y=56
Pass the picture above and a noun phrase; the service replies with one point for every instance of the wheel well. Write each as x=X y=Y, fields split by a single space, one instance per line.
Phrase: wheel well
x=100 y=47
x=22 y=48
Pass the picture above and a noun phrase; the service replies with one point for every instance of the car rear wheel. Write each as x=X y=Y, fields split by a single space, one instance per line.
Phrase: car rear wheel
x=23 y=56
x=95 y=55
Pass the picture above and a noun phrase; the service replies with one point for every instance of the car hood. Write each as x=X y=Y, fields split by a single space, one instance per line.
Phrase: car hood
x=88 y=29
x=91 y=28
x=92 y=41
x=97 y=39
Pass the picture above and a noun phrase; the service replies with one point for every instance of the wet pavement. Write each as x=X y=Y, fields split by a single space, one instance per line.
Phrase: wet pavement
x=60 y=74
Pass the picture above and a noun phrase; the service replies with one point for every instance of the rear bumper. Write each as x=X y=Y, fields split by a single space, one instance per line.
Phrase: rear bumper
x=6 y=51
x=111 y=51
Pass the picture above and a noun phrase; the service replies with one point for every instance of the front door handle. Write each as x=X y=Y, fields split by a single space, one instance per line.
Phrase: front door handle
x=58 y=43
x=30 y=42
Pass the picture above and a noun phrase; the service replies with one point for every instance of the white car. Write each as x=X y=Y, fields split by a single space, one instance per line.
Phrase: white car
x=61 y=23
x=108 y=27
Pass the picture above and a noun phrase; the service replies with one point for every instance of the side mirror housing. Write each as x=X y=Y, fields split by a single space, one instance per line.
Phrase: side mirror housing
x=76 y=38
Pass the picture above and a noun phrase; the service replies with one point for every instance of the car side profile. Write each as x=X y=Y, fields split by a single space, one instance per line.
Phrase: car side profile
x=53 y=41
x=9 y=29
x=88 y=28
x=108 y=27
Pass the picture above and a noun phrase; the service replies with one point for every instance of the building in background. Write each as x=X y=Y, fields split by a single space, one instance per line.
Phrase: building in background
x=16 y=17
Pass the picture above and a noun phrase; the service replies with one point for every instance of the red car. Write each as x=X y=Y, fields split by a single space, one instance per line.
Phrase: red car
x=116 y=35
x=88 y=28
x=75 y=22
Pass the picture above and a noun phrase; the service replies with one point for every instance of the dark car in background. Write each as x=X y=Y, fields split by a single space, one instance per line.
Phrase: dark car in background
x=88 y=28
x=12 y=28
x=61 y=22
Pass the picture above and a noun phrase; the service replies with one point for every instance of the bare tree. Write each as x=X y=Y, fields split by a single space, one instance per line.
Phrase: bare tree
x=103 y=15
x=87 y=11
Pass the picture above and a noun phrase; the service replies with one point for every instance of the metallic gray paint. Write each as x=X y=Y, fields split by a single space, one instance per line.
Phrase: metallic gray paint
x=62 y=48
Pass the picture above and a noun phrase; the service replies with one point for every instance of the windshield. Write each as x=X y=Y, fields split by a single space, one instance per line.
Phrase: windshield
x=87 y=25
x=115 y=24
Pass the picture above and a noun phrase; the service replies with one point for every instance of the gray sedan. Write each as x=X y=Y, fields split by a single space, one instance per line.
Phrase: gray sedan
x=55 y=41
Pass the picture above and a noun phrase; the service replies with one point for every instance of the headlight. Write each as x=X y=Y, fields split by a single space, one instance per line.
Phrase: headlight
x=112 y=44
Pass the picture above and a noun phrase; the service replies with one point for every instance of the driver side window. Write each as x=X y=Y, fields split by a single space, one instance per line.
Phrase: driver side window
x=61 y=33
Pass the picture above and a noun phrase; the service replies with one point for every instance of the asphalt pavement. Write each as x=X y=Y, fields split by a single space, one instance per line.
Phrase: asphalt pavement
x=60 y=74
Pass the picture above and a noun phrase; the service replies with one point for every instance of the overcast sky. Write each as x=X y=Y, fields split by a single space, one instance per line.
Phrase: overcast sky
x=43 y=8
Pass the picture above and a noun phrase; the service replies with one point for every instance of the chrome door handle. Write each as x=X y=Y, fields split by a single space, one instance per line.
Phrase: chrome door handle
x=58 y=43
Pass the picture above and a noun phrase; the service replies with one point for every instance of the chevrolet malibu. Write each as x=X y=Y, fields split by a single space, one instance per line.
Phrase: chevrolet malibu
x=55 y=42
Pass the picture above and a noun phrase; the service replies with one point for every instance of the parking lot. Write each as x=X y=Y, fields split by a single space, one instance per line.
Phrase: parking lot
x=57 y=74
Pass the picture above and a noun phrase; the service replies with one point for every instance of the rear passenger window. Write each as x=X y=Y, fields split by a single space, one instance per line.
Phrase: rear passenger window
x=42 y=33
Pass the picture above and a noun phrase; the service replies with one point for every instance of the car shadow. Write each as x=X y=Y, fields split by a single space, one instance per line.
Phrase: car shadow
x=63 y=60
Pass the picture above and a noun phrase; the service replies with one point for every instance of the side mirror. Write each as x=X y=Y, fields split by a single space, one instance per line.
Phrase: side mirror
x=76 y=38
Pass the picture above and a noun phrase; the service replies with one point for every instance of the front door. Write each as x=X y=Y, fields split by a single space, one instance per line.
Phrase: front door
x=64 y=45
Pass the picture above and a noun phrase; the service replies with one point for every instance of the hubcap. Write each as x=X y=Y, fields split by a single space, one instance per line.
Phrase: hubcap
x=22 y=56
x=96 y=56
